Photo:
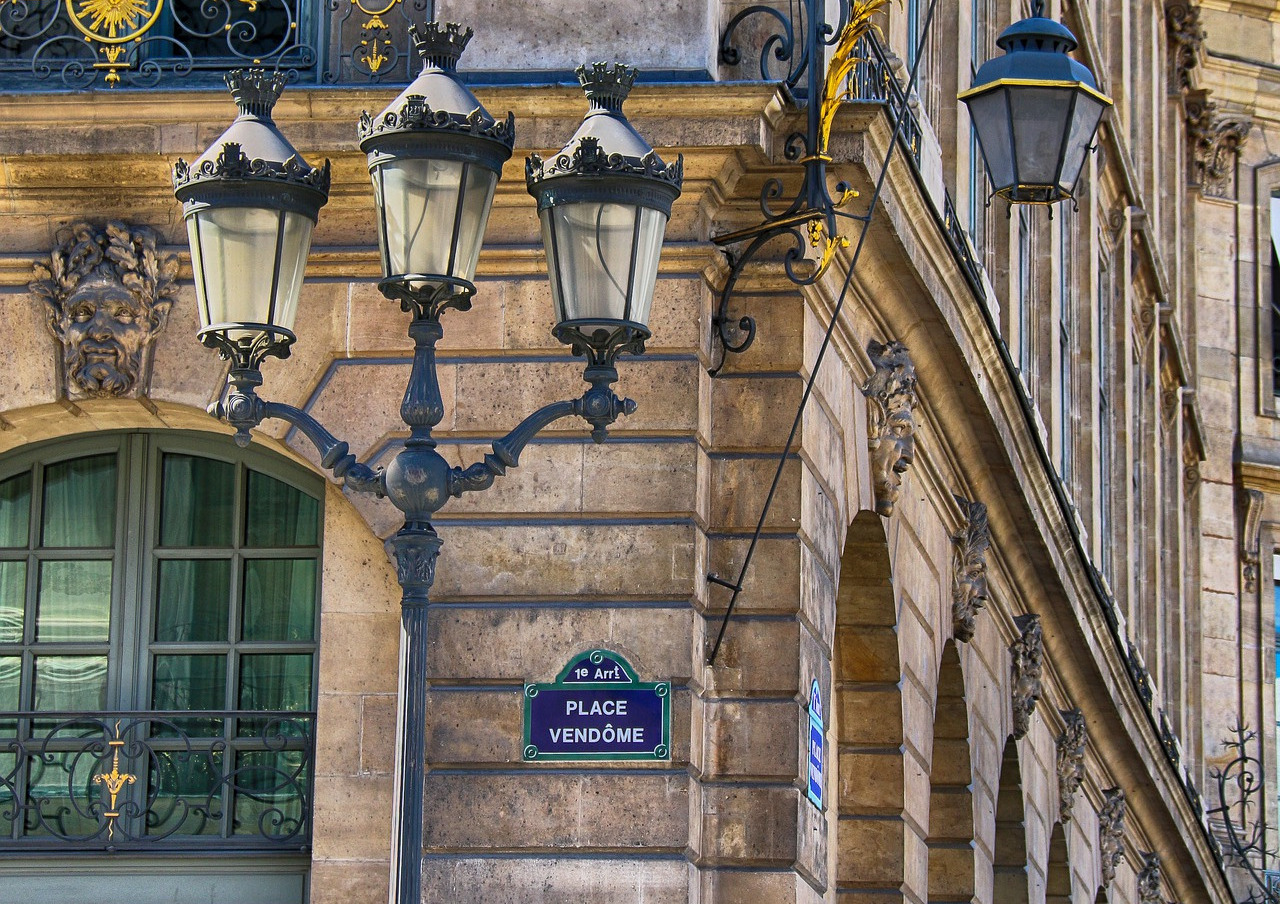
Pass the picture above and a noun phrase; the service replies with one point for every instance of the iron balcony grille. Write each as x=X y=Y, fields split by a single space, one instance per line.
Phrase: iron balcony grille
x=156 y=781
x=873 y=80
x=78 y=44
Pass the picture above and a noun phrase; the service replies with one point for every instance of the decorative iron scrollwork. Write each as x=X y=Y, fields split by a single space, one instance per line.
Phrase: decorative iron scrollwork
x=227 y=780
x=1242 y=811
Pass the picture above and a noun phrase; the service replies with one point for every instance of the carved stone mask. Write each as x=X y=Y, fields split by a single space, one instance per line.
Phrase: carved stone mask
x=891 y=394
x=107 y=294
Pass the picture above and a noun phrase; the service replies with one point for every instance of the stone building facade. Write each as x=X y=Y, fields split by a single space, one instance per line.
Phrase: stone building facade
x=1021 y=541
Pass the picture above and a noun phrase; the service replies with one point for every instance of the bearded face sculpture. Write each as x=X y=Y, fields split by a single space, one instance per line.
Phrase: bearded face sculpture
x=891 y=397
x=107 y=293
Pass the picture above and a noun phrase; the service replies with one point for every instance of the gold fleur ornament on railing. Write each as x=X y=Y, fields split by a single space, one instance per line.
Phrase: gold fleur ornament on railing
x=114 y=782
x=113 y=24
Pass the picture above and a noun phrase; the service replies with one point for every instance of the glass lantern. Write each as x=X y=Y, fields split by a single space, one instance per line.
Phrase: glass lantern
x=250 y=202
x=604 y=202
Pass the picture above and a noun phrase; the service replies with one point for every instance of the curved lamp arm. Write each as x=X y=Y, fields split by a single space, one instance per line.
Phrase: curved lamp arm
x=598 y=405
x=242 y=409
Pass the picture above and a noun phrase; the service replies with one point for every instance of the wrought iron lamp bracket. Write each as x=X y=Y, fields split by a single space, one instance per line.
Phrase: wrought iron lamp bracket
x=419 y=481
x=811 y=217
x=1241 y=788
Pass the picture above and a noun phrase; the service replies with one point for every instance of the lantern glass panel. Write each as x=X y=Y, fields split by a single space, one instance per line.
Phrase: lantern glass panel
x=1084 y=123
x=1040 y=120
x=653 y=225
x=990 y=115
x=605 y=258
x=477 y=198
x=421 y=199
x=240 y=255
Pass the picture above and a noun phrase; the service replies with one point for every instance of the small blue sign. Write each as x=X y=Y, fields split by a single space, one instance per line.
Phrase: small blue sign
x=815 y=746
x=596 y=709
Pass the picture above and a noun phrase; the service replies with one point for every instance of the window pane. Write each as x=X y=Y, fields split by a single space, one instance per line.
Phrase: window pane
x=13 y=592
x=192 y=600
x=63 y=793
x=70 y=683
x=274 y=681
x=198 y=501
x=10 y=677
x=270 y=786
x=15 y=510
x=188 y=793
x=75 y=601
x=182 y=683
x=279 y=515
x=279 y=599
x=80 y=502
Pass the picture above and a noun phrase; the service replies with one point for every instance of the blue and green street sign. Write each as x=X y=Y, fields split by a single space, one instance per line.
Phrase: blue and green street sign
x=597 y=709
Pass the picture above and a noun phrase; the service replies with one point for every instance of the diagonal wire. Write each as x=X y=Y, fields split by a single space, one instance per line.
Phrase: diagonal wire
x=899 y=119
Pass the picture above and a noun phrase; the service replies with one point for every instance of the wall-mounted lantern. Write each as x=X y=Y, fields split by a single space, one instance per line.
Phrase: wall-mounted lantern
x=1036 y=111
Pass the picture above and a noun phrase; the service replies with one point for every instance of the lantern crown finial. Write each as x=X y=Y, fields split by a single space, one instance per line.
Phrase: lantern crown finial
x=440 y=44
x=1037 y=35
x=255 y=91
x=606 y=85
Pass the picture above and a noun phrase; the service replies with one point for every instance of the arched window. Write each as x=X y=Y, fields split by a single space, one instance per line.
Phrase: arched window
x=159 y=609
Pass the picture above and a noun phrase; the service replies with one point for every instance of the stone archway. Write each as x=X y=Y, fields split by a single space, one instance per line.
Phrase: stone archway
x=869 y=734
x=1057 y=888
x=1009 y=863
x=951 y=828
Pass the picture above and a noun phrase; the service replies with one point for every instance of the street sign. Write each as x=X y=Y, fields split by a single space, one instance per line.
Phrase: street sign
x=814 y=792
x=597 y=709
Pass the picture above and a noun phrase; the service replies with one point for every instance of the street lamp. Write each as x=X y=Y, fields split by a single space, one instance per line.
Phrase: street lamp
x=435 y=156
x=1035 y=111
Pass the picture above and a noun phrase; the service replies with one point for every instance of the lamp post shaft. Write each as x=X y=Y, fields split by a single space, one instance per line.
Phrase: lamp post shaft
x=415 y=551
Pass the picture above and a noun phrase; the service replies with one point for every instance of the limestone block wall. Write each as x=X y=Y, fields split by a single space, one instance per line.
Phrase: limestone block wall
x=589 y=546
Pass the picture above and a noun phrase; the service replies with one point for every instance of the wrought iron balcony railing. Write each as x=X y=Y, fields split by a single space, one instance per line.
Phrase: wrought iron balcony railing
x=76 y=44
x=874 y=81
x=208 y=780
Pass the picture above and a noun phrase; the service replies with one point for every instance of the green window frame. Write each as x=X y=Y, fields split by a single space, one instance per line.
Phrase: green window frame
x=160 y=590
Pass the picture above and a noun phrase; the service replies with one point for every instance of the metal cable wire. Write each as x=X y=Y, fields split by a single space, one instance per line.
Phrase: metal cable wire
x=736 y=586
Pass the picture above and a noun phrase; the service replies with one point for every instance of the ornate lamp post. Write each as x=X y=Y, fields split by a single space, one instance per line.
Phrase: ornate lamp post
x=435 y=156
x=1036 y=111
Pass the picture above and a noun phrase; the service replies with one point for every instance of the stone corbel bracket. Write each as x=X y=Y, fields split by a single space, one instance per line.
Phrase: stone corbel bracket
x=969 y=568
x=1186 y=41
x=1251 y=505
x=891 y=405
x=1111 y=833
x=1027 y=655
x=1216 y=138
x=1070 y=747
x=1149 y=879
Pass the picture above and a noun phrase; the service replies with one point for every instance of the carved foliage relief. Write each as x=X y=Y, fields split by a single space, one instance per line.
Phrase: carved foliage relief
x=892 y=401
x=1186 y=37
x=1027 y=653
x=969 y=586
x=1149 y=879
x=1070 y=761
x=1216 y=138
x=1111 y=833
x=107 y=292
